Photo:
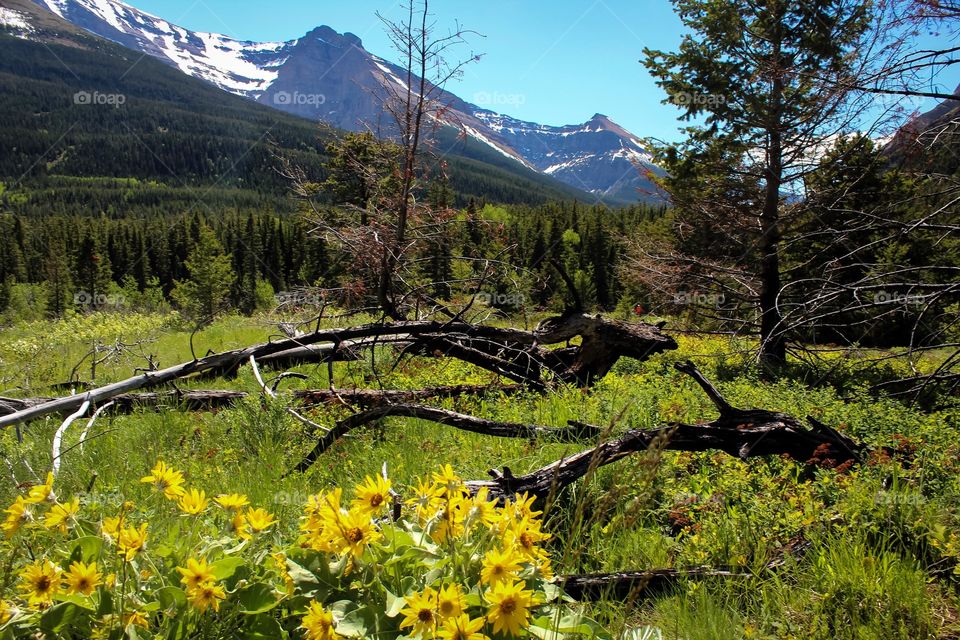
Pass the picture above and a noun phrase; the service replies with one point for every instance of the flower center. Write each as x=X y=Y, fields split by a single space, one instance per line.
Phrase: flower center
x=376 y=500
x=355 y=535
x=508 y=606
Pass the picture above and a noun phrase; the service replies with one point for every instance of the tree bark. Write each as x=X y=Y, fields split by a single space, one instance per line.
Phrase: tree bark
x=743 y=433
x=513 y=353
x=773 y=352
x=442 y=416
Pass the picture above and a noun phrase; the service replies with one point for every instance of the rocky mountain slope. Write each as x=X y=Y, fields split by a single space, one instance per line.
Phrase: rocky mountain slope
x=329 y=76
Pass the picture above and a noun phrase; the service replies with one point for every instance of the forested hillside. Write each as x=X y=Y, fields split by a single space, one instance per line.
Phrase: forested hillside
x=168 y=128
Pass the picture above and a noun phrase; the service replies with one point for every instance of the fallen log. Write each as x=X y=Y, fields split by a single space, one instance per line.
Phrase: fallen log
x=203 y=400
x=12 y=405
x=581 y=365
x=377 y=397
x=743 y=433
x=347 y=351
x=574 y=432
x=213 y=399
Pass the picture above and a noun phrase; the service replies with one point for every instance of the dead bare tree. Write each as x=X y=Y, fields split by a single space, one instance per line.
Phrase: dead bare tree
x=380 y=217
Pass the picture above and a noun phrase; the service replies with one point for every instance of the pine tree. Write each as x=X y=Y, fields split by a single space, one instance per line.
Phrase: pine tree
x=93 y=270
x=764 y=78
x=211 y=276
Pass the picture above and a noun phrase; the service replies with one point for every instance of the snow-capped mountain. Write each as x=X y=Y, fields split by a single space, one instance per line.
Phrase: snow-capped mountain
x=329 y=76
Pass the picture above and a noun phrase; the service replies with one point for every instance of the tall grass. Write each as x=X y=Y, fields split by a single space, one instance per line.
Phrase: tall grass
x=879 y=536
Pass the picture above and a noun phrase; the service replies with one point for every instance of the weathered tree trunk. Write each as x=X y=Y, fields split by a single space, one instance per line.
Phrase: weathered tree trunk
x=462 y=421
x=744 y=433
x=213 y=399
x=378 y=397
x=513 y=353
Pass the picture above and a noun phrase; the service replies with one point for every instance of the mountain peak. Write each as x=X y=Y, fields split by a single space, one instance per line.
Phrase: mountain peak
x=330 y=35
x=329 y=76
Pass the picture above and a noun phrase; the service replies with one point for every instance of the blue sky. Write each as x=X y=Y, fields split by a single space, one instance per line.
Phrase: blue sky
x=555 y=62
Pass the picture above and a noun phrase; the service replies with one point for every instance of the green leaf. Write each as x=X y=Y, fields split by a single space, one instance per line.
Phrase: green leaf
x=305 y=582
x=75 y=598
x=106 y=602
x=359 y=622
x=225 y=567
x=171 y=598
x=257 y=598
x=394 y=604
x=395 y=539
x=59 y=616
x=86 y=549
x=262 y=628
x=543 y=633
x=310 y=572
x=545 y=627
x=551 y=591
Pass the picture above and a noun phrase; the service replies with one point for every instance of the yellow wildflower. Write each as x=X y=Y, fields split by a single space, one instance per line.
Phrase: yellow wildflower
x=354 y=530
x=449 y=523
x=543 y=569
x=499 y=566
x=324 y=504
x=196 y=572
x=62 y=515
x=165 y=479
x=318 y=623
x=481 y=509
x=238 y=524
x=42 y=492
x=509 y=607
x=427 y=499
x=451 y=601
x=6 y=612
x=40 y=581
x=420 y=613
x=82 y=578
x=205 y=596
x=193 y=502
x=373 y=495
x=131 y=540
x=449 y=482
x=18 y=514
x=462 y=628
x=137 y=619
x=232 y=501
x=280 y=559
x=525 y=535
x=522 y=506
x=259 y=520
x=110 y=528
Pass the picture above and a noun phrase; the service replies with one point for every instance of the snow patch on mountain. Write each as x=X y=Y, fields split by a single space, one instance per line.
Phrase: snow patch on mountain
x=15 y=20
x=241 y=67
x=330 y=76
